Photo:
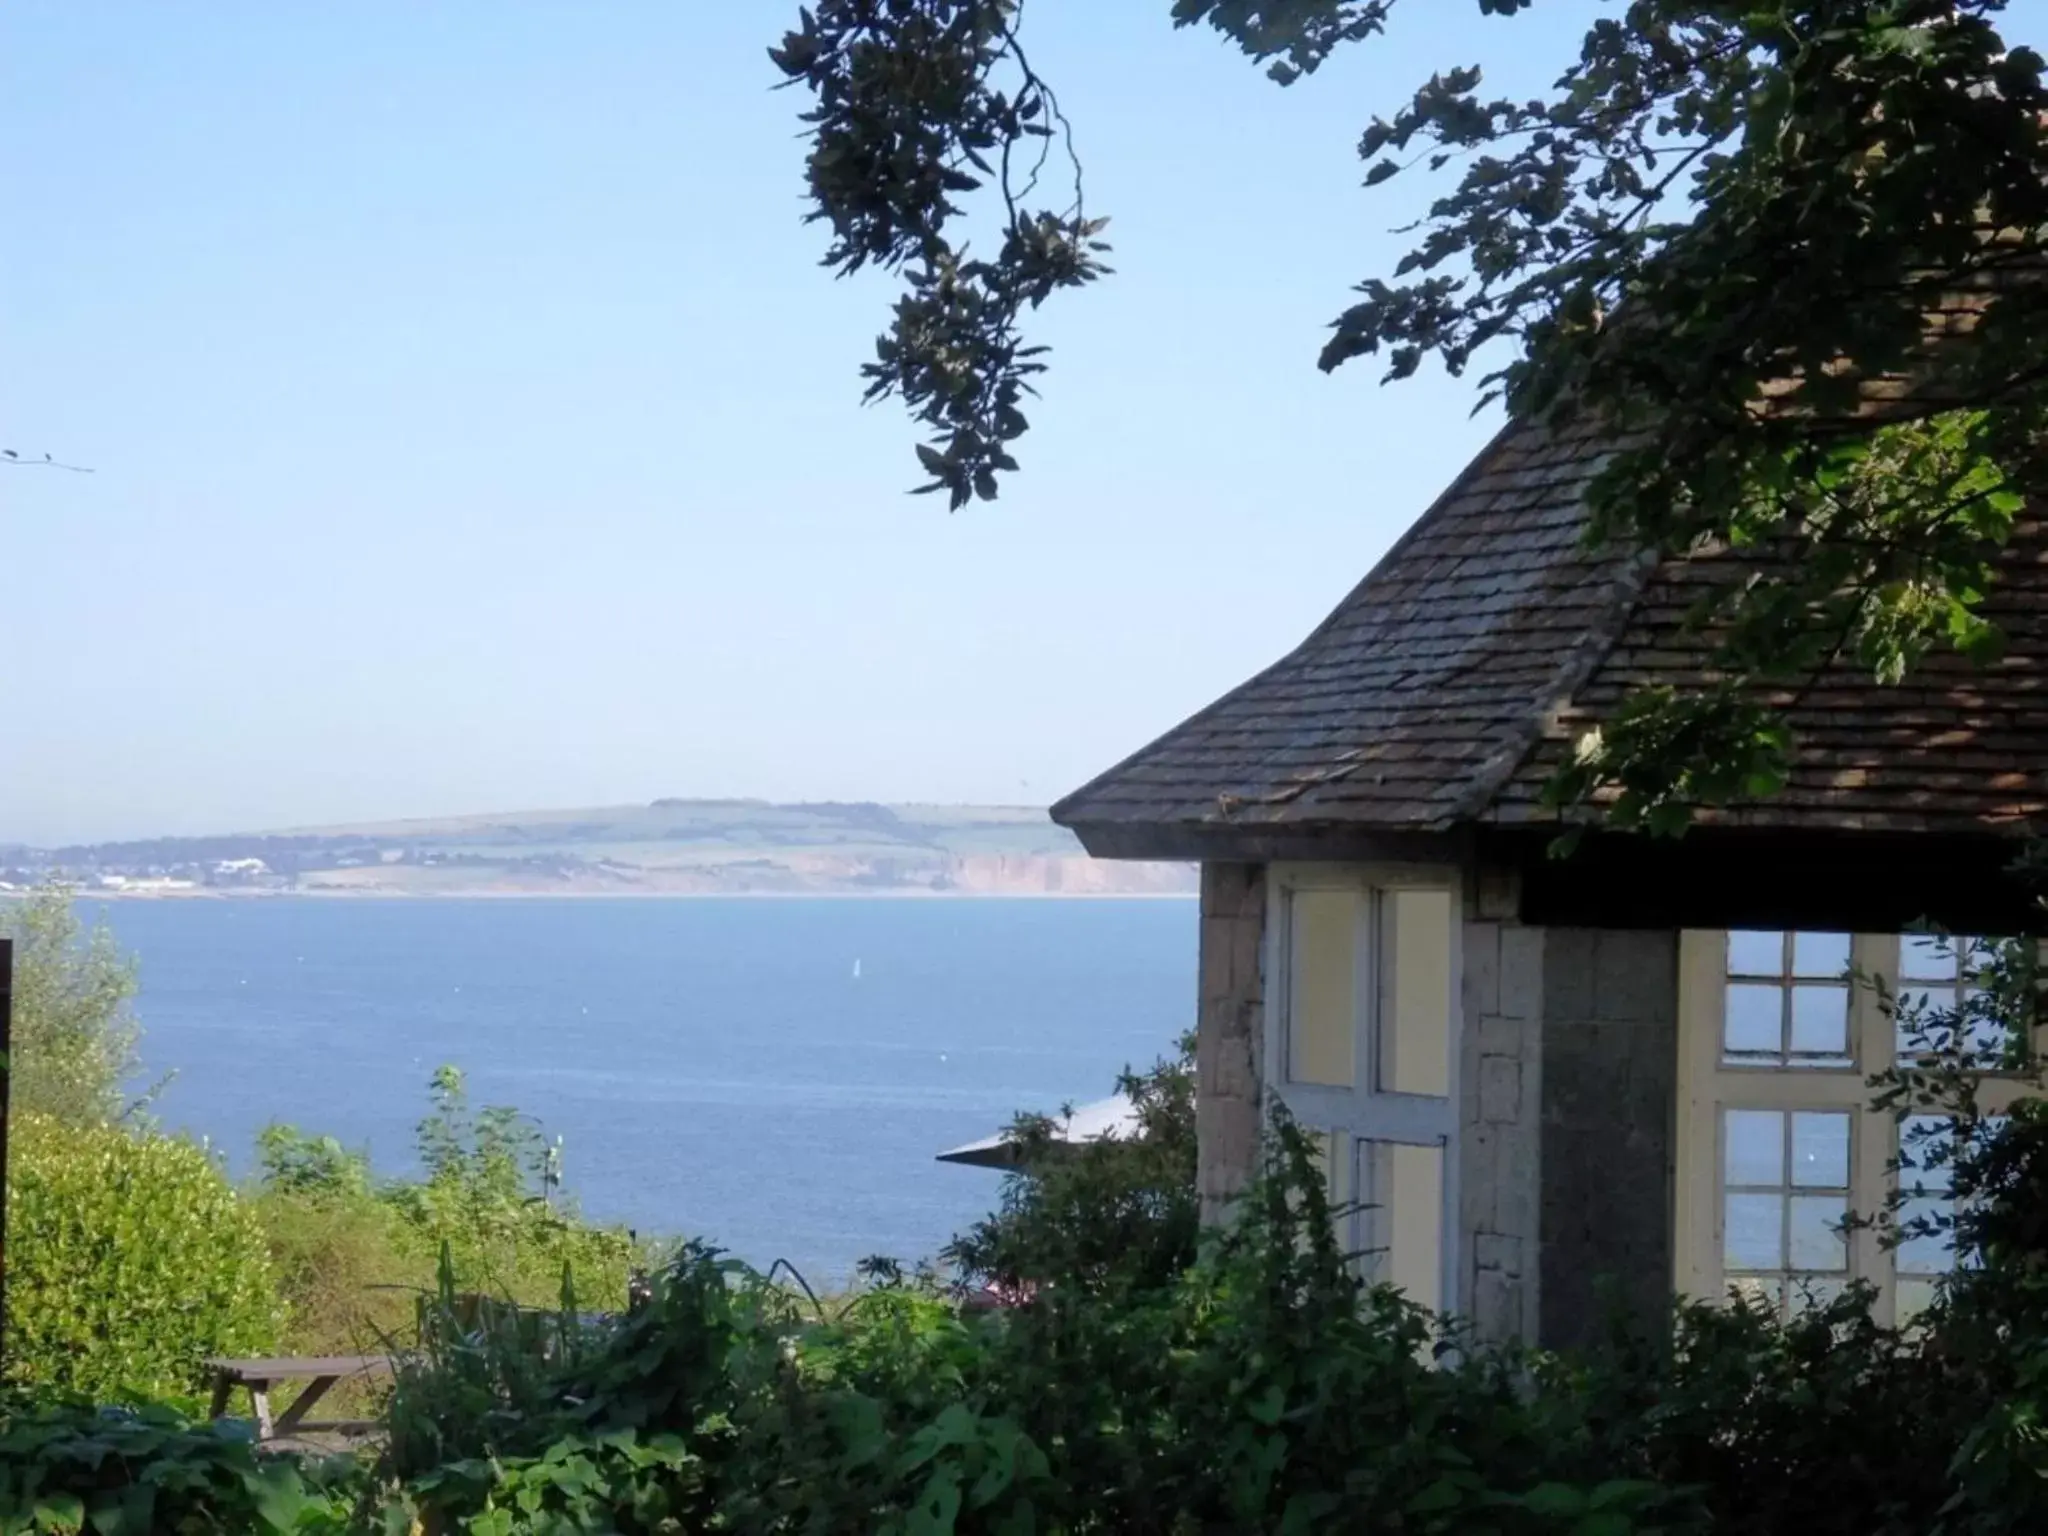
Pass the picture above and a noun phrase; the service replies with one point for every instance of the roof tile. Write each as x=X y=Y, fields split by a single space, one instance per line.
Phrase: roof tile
x=1445 y=688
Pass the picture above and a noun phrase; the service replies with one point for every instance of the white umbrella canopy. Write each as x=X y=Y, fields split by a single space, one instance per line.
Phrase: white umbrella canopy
x=1111 y=1119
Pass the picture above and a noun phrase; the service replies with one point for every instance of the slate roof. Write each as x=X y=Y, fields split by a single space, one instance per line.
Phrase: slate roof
x=1442 y=690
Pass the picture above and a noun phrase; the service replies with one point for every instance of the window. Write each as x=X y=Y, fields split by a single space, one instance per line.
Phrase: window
x=1778 y=1139
x=1784 y=1193
x=1365 y=1033
x=1922 y=1259
x=1787 y=1002
x=1938 y=975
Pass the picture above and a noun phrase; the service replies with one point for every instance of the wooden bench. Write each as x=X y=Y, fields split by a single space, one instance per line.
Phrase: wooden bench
x=319 y=1372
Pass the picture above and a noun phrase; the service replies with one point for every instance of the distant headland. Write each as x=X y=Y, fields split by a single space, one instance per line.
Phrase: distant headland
x=671 y=847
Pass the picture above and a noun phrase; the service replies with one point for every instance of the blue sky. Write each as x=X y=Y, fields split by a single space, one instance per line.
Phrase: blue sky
x=473 y=428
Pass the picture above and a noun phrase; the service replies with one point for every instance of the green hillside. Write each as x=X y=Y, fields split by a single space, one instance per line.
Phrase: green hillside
x=670 y=846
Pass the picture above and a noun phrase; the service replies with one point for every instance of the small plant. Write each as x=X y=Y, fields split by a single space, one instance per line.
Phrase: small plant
x=479 y=1370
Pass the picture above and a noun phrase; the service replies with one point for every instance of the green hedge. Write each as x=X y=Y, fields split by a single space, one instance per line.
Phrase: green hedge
x=131 y=1259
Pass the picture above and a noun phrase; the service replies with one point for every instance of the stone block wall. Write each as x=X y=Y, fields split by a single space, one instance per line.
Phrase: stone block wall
x=1501 y=1075
x=1230 y=1033
x=1609 y=1101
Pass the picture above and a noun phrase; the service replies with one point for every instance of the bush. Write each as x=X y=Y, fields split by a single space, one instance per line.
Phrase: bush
x=1257 y=1390
x=131 y=1259
x=355 y=1256
x=1260 y=1388
x=72 y=1468
x=491 y=1198
x=1105 y=1215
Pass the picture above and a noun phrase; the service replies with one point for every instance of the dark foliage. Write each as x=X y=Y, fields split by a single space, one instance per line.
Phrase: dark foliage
x=1103 y=1215
x=1719 y=239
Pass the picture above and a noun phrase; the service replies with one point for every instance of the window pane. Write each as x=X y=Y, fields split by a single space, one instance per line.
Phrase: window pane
x=1914 y=1296
x=1932 y=1254
x=1927 y=957
x=1335 y=1169
x=1820 y=1150
x=1758 y=1293
x=1974 y=957
x=1754 y=1235
x=1415 y=994
x=1926 y=1152
x=1416 y=1262
x=1755 y=1023
x=1913 y=1002
x=1820 y=1021
x=1825 y=955
x=1754 y=1151
x=1327 y=1164
x=1405 y=1190
x=1756 y=954
x=1916 y=1013
x=1815 y=1242
x=1980 y=1026
x=1320 y=1013
x=1810 y=1295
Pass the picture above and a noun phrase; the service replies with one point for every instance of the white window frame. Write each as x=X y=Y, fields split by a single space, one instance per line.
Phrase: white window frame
x=1708 y=1084
x=1364 y=1112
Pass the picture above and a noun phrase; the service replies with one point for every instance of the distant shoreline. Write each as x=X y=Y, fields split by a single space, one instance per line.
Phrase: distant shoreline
x=667 y=850
x=215 y=894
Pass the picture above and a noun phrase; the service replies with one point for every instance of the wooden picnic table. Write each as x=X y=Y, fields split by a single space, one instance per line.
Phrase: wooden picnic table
x=319 y=1372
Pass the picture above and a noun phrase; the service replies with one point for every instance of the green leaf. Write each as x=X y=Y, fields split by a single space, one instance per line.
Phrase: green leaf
x=1625 y=1493
x=1555 y=1500
x=938 y=1506
x=1267 y=1407
x=131 y=1512
x=60 y=1512
x=278 y=1495
x=1445 y=1493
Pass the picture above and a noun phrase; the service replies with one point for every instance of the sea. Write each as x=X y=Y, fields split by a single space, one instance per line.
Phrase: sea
x=773 y=1075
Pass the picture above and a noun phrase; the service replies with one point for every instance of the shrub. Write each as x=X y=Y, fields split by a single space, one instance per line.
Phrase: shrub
x=1104 y=1215
x=66 y=1469
x=491 y=1198
x=1258 y=1389
x=131 y=1259
x=1261 y=1388
x=355 y=1256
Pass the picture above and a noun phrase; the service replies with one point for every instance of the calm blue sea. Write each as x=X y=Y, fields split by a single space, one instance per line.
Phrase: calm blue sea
x=715 y=1067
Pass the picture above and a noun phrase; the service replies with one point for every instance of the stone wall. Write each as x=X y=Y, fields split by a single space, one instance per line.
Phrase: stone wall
x=1501 y=1075
x=1609 y=1095
x=1230 y=1032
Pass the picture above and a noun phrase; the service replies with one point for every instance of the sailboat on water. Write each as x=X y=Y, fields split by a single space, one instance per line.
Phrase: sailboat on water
x=856 y=970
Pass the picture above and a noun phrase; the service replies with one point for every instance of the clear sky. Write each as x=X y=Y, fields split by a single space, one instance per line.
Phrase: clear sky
x=473 y=429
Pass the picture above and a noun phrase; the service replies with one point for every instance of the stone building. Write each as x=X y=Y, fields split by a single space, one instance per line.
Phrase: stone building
x=1642 y=1064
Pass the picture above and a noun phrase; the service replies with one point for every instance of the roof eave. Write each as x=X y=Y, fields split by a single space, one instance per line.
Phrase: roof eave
x=1202 y=842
